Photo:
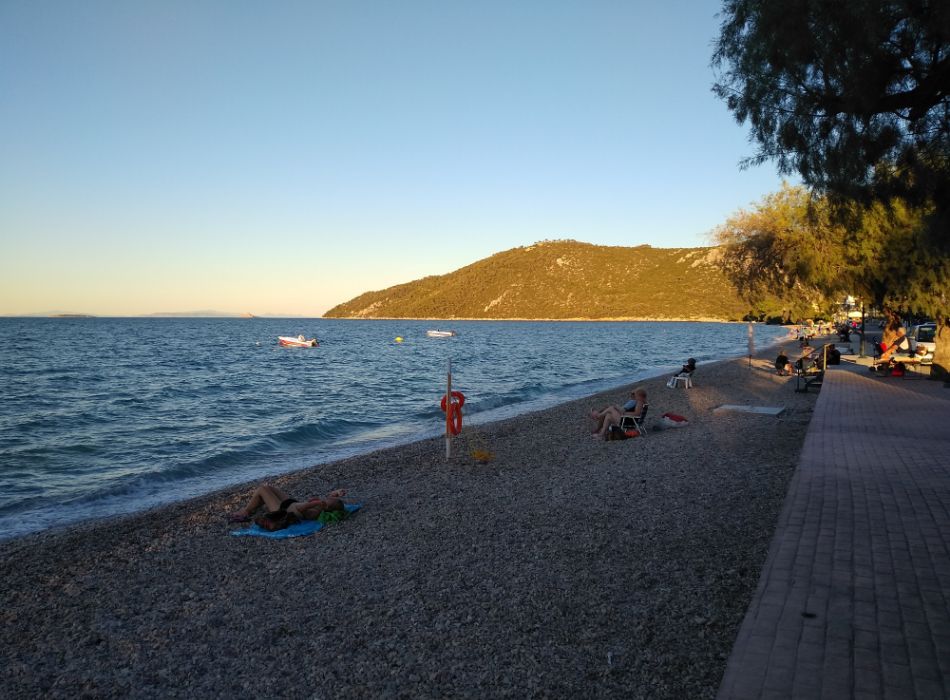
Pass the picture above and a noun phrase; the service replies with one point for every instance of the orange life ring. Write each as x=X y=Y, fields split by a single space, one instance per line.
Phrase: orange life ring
x=454 y=408
x=459 y=398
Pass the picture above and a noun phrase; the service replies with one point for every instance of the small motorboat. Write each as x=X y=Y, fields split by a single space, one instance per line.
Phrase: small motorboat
x=297 y=342
x=440 y=334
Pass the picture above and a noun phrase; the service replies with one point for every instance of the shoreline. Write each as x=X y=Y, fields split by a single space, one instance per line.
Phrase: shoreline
x=492 y=415
x=565 y=565
x=238 y=317
x=612 y=319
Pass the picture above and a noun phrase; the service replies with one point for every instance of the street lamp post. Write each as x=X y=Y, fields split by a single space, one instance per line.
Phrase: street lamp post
x=861 y=354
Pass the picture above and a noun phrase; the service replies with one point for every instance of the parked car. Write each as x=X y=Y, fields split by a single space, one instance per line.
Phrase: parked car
x=922 y=340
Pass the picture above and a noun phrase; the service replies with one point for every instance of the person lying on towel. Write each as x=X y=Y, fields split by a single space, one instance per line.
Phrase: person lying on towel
x=279 y=505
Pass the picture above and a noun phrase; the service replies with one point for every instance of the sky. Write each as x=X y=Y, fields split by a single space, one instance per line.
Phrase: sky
x=174 y=155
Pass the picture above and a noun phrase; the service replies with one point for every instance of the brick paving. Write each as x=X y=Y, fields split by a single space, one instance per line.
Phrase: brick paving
x=854 y=598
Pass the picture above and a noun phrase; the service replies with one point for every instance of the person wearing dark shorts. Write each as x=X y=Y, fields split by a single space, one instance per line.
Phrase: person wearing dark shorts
x=286 y=503
x=276 y=501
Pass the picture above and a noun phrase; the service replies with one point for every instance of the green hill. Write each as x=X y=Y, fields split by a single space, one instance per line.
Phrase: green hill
x=564 y=280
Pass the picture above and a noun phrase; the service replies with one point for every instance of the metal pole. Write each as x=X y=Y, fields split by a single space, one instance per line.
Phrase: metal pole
x=861 y=354
x=448 y=414
x=751 y=333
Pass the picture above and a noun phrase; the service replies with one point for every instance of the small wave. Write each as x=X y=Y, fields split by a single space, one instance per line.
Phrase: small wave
x=279 y=445
x=55 y=421
x=532 y=393
x=48 y=372
x=493 y=402
x=306 y=435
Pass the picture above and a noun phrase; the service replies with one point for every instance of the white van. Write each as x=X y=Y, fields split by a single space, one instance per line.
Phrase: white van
x=923 y=341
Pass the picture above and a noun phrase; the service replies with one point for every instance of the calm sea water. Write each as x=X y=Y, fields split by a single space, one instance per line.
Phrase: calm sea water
x=107 y=416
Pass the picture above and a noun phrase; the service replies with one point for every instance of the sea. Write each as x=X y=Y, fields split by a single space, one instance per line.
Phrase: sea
x=107 y=416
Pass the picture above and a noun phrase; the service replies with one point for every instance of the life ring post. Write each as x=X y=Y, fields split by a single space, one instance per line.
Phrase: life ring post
x=451 y=405
x=448 y=413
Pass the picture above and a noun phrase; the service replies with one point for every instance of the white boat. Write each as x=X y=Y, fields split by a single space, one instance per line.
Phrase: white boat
x=297 y=342
x=440 y=334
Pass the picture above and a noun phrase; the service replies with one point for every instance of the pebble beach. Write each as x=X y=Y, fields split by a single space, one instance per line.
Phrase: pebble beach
x=565 y=566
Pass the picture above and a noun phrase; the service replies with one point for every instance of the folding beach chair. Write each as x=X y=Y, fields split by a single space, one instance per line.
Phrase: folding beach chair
x=629 y=421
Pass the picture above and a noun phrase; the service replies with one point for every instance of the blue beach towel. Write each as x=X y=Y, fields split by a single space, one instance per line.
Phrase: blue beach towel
x=302 y=529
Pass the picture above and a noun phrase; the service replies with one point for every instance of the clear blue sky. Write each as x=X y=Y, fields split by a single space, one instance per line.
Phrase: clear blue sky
x=284 y=157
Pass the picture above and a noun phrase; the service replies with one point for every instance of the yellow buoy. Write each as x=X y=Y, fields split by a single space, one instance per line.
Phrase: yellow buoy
x=398 y=338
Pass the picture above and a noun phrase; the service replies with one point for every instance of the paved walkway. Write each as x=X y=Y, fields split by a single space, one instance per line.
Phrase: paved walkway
x=854 y=598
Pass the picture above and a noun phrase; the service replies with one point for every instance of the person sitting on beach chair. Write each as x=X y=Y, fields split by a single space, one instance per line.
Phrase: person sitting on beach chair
x=809 y=363
x=833 y=354
x=634 y=420
x=279 y=503
x=893 y=337
x=614 y=417
x=889 y=351
x=599 y=416
x=684 y=375
x=687 y=369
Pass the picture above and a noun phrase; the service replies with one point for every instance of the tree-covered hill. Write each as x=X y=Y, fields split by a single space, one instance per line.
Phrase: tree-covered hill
x=565 y=280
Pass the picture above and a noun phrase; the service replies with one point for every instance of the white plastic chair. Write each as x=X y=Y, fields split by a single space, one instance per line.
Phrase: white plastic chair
x=687 y=380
